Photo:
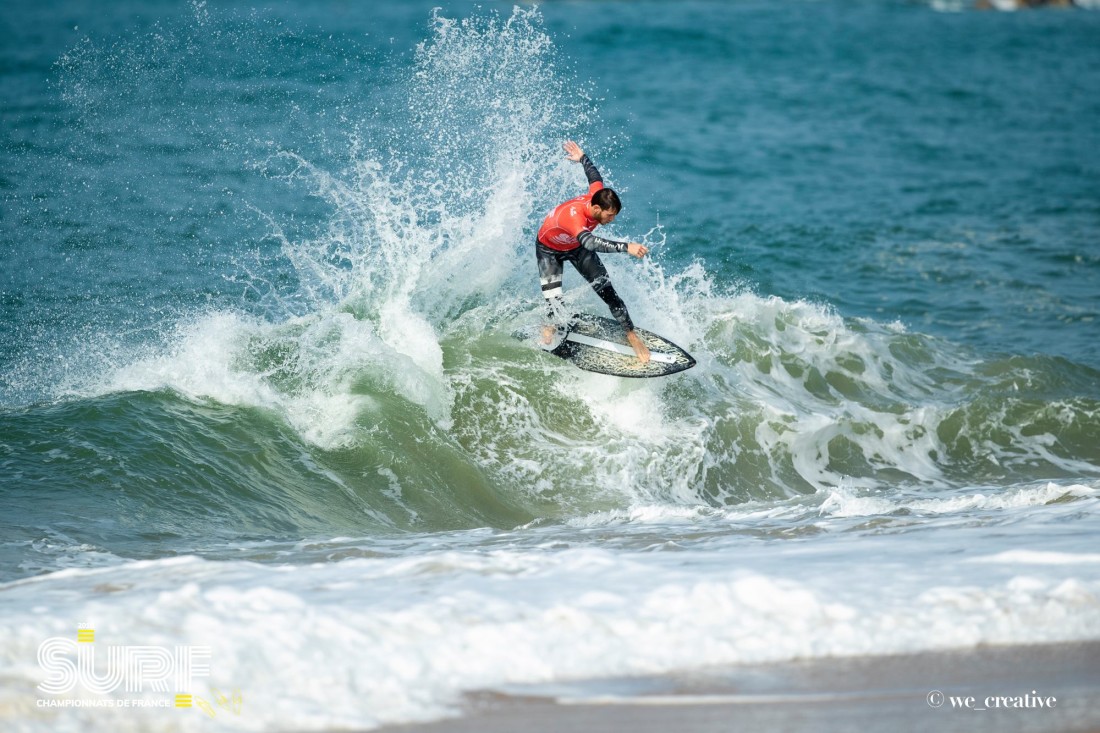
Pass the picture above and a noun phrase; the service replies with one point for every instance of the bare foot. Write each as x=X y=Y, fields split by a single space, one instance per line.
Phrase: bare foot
x=639 y=348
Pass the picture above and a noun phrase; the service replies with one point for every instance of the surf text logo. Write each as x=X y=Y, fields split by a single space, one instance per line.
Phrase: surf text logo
x=69 y=663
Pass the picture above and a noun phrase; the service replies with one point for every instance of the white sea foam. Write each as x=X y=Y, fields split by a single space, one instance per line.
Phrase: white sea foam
x=1040 y=557
x=843 y=502
x=365 y=642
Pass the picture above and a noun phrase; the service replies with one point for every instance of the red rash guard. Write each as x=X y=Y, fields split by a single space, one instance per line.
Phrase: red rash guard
x=560 y=229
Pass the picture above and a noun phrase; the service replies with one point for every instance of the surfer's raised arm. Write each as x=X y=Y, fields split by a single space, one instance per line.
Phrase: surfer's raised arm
x=575 y=154
x=587 y=239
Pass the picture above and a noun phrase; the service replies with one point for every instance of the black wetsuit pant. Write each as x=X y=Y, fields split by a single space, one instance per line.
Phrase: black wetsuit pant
x=551 y=265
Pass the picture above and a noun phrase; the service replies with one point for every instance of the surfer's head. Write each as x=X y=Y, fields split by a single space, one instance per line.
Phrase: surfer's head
x=605 y=205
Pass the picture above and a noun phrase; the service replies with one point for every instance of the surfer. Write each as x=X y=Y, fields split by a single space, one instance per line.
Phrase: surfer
x=566 y=236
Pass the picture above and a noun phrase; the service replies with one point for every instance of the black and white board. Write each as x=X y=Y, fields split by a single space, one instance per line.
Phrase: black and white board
x=598 y=344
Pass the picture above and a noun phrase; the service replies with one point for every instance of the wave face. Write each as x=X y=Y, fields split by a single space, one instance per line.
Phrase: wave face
x=269 y=374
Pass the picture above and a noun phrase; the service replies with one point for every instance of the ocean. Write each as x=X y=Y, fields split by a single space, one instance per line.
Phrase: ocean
x=263 y=407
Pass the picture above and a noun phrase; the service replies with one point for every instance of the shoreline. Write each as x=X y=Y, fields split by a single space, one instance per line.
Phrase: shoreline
x=1044 y=688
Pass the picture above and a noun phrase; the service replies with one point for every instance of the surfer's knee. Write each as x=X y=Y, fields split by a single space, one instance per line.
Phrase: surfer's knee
x=551 y=286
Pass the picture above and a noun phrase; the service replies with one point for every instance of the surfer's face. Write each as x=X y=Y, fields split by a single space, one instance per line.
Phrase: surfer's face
x=603 y=216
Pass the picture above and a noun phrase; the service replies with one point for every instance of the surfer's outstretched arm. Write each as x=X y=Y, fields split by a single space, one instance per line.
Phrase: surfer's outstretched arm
x=595 y=243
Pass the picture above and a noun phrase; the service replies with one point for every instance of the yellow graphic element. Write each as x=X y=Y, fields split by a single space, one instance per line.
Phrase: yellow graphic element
x=206 y=707
x=231 y=703
x=183 y=701
x=86 y=636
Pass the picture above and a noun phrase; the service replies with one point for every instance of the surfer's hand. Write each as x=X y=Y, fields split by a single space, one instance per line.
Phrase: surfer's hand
x=573 y=151
x=639 y=348
x=637 y=250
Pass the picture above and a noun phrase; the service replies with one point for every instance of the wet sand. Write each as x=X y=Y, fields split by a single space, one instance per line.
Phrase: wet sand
x=1050 y=688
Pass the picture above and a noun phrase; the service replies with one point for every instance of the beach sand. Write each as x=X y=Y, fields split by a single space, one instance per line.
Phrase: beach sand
x=932 y=691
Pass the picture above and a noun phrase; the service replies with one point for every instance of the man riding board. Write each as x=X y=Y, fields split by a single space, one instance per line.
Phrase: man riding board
x=566 y=235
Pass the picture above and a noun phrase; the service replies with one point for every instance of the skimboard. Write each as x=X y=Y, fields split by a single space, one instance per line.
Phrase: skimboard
x=598 y=344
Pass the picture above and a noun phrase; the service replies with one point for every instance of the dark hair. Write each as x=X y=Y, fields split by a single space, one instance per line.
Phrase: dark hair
x=608 y=200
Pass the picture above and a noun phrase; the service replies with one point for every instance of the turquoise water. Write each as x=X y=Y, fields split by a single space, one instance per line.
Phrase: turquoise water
x=259 y=389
